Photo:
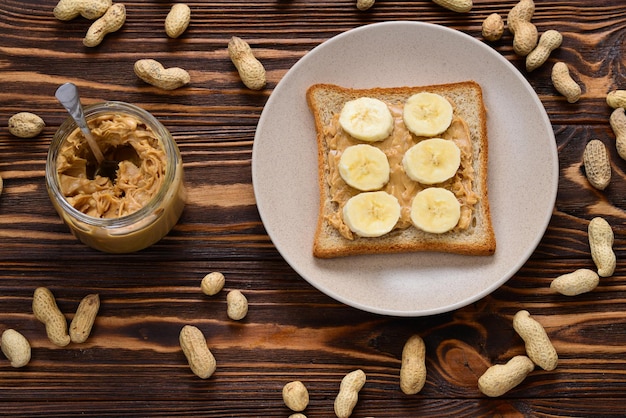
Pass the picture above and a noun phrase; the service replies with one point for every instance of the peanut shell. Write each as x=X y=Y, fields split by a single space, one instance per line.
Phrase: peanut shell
x=26 y=125
x=597 y=164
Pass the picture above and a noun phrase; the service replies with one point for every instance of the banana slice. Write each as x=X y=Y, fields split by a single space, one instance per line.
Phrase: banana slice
x=427 y=114
x=364 y=167
x=371 y=214
x=367 y=119
x=435 y=210
x=432 y=160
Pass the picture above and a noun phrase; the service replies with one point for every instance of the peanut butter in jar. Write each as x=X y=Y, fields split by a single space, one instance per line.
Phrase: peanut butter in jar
x=145 y=199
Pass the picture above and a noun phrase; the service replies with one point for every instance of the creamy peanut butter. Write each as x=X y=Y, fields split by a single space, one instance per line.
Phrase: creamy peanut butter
x=121 y=137
x=400 y=185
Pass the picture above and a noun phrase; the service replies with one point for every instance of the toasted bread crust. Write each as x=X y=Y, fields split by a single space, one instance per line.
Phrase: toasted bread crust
x=326 y=100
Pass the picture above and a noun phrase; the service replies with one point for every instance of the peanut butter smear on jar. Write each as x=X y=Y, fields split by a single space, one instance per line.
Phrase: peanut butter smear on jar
x=140 y=175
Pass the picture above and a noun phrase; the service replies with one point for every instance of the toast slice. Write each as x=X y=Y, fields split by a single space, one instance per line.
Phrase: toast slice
x=334 y=239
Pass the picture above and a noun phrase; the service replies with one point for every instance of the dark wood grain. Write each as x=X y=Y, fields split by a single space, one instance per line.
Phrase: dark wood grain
x=133 y=365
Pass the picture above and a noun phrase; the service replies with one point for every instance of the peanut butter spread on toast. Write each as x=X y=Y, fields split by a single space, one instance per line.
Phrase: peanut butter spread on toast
x=400 y=185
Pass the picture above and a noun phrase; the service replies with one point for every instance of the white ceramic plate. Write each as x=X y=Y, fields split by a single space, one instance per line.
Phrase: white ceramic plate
x=523 y=167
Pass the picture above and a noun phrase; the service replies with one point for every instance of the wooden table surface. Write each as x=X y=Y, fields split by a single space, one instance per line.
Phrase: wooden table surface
x=133 y=365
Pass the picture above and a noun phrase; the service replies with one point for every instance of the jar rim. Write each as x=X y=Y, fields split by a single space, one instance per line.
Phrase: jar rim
x=69 y=125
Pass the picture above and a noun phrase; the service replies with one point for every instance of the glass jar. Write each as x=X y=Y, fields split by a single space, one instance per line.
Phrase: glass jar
x=128 y=232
